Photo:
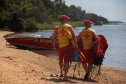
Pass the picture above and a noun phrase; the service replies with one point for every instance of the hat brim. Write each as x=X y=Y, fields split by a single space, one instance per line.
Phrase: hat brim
x=68 y=17
x=91 y=22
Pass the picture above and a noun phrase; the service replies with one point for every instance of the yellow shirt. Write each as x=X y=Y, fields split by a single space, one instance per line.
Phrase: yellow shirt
x=87 y=38
x=62 y=35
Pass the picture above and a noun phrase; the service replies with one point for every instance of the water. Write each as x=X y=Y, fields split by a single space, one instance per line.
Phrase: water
x=116 y=37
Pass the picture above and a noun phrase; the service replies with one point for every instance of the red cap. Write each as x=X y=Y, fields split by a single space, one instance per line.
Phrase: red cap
x=87 y=22
x=64 y=17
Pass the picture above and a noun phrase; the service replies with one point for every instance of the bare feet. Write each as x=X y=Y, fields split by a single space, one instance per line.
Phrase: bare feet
x=65 y=79
x=86 y=76
x=61 y=75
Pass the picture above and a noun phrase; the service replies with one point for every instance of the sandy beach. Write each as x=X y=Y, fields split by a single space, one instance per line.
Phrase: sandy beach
x=24 y=67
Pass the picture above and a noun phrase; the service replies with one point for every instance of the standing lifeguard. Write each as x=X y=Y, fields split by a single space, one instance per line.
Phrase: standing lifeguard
x=65 y=50
x=87 y=35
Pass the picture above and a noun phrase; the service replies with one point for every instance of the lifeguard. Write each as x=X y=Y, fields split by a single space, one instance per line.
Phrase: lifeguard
x=87 y=35
x=65 y=50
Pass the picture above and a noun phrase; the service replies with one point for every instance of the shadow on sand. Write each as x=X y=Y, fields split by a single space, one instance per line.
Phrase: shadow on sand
x=70 y=80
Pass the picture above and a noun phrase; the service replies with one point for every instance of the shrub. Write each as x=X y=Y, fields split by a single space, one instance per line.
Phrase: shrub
x=29 y=25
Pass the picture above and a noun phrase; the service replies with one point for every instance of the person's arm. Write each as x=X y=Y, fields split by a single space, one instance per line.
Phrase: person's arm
x=94 y=35
x=79 y=36
x=74 y=36
x=54 y=38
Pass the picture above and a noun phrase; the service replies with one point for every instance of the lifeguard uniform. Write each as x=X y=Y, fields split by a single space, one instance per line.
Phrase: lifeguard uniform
x=87 y=40
x=65 y=50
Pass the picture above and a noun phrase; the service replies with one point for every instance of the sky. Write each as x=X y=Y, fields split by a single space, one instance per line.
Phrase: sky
x=113 y=10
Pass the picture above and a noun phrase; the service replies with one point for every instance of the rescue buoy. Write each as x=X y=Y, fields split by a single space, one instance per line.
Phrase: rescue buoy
x=71 y=38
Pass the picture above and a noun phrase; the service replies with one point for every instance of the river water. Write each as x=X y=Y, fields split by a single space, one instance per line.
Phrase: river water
x=116 y=37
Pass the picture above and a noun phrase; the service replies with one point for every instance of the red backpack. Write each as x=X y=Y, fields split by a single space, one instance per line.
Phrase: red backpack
x=99 y=48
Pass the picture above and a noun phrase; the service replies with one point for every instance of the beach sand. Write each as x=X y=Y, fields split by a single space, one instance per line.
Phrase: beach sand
x=19 y=66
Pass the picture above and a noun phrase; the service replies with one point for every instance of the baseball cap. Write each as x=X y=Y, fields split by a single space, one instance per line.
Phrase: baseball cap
x=86 y=22
x=64 y=17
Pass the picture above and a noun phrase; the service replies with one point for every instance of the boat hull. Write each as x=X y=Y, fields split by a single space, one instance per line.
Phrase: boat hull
x=32 y=43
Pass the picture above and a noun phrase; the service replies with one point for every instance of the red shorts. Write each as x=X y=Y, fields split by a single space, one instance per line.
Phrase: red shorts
x=65 y=53
x=89 y=56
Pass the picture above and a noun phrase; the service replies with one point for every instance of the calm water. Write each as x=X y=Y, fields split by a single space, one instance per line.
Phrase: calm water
x=116 y=37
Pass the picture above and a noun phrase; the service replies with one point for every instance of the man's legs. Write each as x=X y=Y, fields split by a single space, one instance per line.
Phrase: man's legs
x=85 y=67
x=64 y=59
x=66 y=67
x=88 y=71
x=61 y=67
x=89 y=68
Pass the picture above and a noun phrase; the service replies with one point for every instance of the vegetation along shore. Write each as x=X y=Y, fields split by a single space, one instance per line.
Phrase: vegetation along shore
x=32 y=15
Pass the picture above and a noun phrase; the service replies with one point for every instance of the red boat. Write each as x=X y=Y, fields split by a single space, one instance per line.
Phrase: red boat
x=30 y=41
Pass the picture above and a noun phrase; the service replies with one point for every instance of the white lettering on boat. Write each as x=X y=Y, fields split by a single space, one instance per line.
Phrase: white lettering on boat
x=46 y=40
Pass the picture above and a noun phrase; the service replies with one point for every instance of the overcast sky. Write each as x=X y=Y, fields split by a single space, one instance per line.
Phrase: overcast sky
x=114 y=10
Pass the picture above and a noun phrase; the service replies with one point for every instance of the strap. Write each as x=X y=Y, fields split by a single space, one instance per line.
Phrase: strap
x=78 y=68
x=99 y=70
x=68 y=46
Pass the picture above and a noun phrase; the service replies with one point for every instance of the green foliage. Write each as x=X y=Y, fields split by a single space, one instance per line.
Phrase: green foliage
x=31 y=15
x=46 y=26
x=93 y=17
x=31 y=27
x=52 y=26
x=76 y=24
x=2 y=4
x=75 y=13
x=15 y=24
x=29 y=24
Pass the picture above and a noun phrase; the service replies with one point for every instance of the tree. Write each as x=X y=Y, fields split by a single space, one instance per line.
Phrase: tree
x=75 y=13
x=61 y=7
x=23 y=15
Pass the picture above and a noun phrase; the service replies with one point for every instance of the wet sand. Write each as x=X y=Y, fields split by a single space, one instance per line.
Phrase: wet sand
x=25 y=67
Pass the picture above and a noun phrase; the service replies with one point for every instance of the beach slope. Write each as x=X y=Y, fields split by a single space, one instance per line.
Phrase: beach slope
x=19 y=66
